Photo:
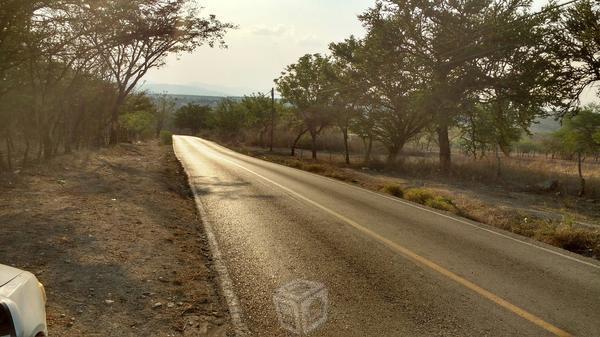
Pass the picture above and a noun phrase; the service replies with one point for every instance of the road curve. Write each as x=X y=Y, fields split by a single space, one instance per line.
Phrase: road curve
x=391 y=268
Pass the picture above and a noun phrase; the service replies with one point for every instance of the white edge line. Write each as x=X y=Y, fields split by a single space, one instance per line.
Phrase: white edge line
x=233 y=302
x=406 y=203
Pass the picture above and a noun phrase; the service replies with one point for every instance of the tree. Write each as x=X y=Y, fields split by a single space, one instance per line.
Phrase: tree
x=576 y=41
x=165 y=108
x=306 y=86
x=230 y=118
x=137 y=116
x=258 y=114
x=193 y=117
x=390 y=84
x=351 y=87
x=451 y=42
x=492 y=126
x=134 y=36
x=579 y=135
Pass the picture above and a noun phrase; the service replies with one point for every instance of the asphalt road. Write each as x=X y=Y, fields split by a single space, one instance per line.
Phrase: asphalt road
x=391 y=268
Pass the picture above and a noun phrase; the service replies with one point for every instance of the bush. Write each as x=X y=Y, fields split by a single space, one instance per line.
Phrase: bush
x=443 y=204
x=394 y=190
x=578 y=240
x=429 y=199
x=139 y=124
x=419 y=195
x=166 y=138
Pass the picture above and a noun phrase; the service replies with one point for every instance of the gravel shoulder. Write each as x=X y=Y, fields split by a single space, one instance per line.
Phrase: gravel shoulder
x=115 y=237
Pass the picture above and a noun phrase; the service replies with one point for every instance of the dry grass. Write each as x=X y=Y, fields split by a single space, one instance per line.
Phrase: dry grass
x=560 y=233
x=521 y=174
x=393 y=189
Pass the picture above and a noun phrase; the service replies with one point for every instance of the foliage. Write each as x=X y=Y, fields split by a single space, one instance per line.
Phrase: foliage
x=230 y=118
x=193 y=117
x=260 y=112
x=307 y=86
x=576 y=42
x=579 y=132
x=166 y=138
x=430 y=199
x=138 y=124
x=394 y=190
x=72 y=65
x=165 y=107
x=579 y=135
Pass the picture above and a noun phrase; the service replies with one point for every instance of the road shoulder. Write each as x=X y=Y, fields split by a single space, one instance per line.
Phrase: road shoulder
x=117 y=242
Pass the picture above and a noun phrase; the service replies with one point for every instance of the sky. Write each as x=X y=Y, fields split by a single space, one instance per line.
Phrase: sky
x=271 y=35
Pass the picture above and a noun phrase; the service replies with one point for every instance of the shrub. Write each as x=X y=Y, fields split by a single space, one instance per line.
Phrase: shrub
x=578 y=240
x=394 y=190
x=166 y=138
x=429 y=199
x=419 y=195
x=443 y=204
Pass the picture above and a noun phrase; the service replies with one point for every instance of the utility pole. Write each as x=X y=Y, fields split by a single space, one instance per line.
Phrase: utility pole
x=272 y=118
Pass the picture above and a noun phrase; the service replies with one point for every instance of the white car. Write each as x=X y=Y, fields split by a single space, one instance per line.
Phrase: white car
x=22 y=304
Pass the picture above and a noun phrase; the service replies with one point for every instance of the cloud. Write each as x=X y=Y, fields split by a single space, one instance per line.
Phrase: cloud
x=285 y=33
x=274 y=31
x=309 y=41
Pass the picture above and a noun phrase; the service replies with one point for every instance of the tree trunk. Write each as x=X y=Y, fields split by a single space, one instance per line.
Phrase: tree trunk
x=9 y=153
x=47 y=145
x=498 y=163
x=293 y=153
x=392 y=154
x=114 y=119
x=346 y=147
x=369 y=150
x=2 y=167
x=581 y=180
x=444 y=142
x=26 y=153
x=313 y=137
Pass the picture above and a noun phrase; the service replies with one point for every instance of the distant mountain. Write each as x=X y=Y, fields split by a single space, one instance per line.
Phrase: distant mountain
x=211 y=101
x=176 y=89
x=194 y=89
x=545 y=125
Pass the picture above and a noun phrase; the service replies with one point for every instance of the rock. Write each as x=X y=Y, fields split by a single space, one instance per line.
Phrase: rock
x=170 y=305
x=109 y=302
x=157 y=305
x=547 y=186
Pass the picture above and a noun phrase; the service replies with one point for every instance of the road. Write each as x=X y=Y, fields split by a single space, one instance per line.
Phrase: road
x=391 y=268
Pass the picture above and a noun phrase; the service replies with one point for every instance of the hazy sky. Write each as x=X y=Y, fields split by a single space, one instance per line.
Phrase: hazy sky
x=271 y=35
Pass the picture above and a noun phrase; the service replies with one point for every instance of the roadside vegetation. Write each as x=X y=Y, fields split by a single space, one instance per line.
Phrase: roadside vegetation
x=69 y=71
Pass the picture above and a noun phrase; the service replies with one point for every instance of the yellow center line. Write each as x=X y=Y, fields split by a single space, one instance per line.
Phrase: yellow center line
x=422 y=260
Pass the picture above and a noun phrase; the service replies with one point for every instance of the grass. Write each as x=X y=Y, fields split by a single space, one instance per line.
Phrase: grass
x=394 y=190
x=517 y=173
x=430 y=199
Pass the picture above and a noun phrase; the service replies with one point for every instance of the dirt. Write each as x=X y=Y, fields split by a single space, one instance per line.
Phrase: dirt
x=115 y=238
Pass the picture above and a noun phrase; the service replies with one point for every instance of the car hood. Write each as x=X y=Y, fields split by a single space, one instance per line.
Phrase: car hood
x=7 y=274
